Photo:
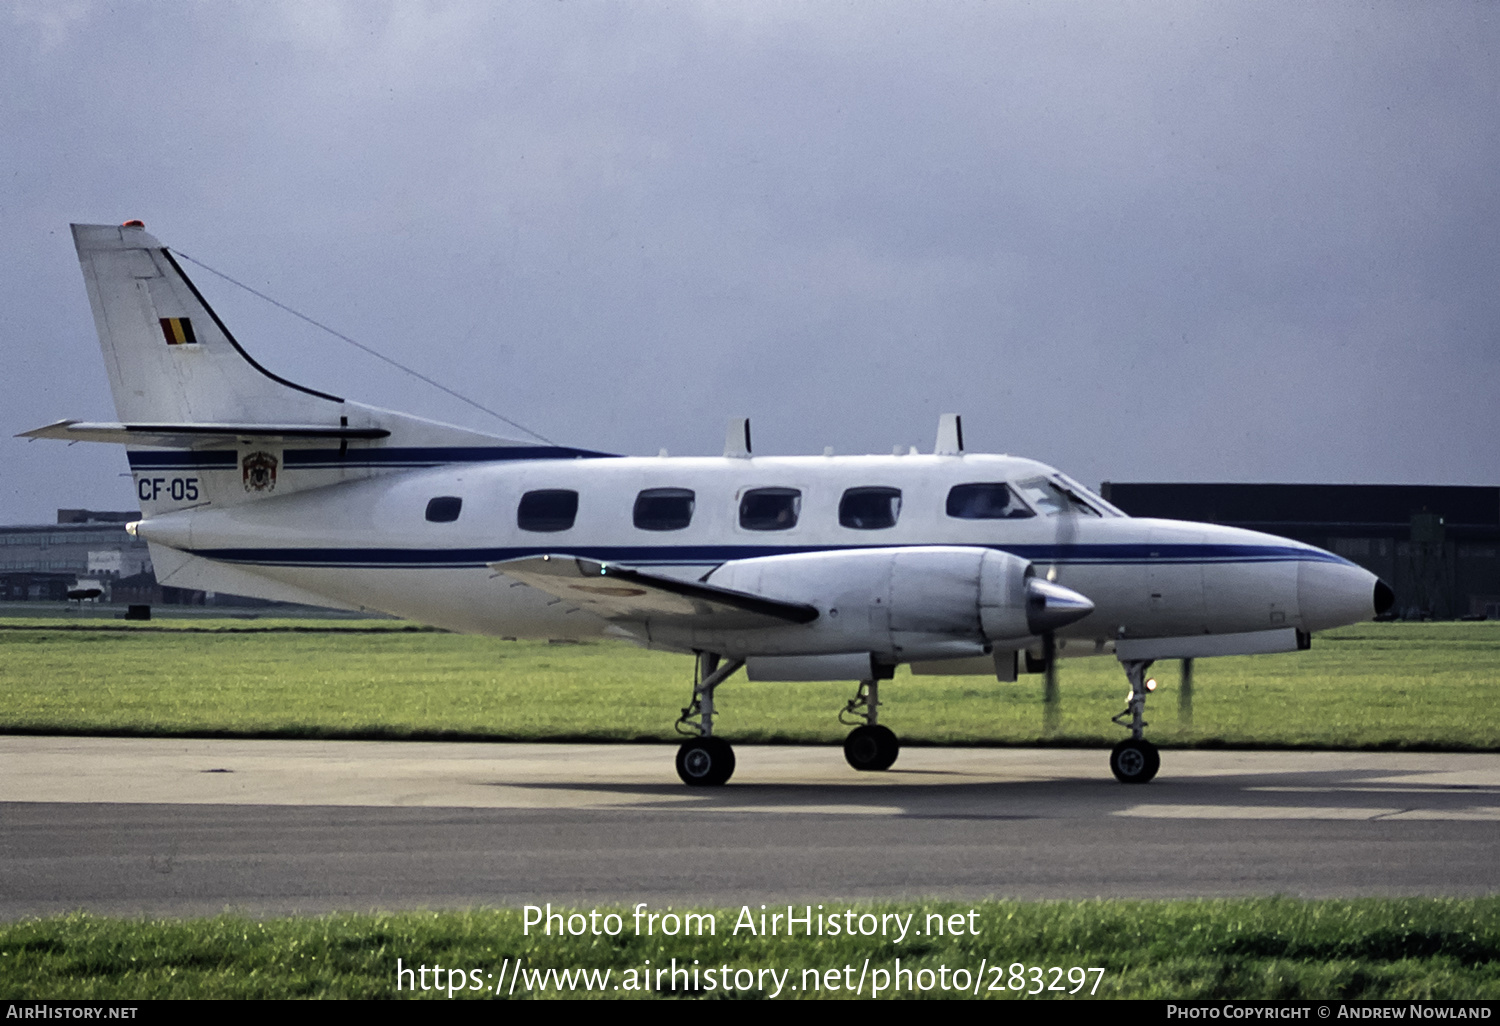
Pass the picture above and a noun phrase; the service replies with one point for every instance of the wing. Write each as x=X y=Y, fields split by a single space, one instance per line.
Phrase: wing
x=620 y=594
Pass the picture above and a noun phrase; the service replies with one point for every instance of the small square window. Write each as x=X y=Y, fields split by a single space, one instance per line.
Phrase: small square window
x=444 y=509
x=870 y=509
x=664 y=509
x=770 y=509
x=549 y=509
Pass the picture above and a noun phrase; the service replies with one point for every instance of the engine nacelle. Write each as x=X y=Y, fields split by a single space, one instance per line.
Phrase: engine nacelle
x=899 y=604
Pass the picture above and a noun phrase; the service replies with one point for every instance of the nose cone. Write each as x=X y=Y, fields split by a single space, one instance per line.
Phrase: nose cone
x=1333 y=593
x=1050 y=606
x=1385 y=598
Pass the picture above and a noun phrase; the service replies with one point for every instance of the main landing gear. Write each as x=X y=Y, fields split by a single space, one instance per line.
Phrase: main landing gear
x=871 y=746
x=705 y=760
x=1135 y=760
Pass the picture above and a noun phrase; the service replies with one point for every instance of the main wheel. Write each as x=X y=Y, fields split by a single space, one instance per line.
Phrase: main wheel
x=705 y=762
x=1134 y=761
x=871 y=748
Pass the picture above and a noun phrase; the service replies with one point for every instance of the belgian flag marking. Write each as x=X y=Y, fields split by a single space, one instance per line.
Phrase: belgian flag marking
x=179 y=331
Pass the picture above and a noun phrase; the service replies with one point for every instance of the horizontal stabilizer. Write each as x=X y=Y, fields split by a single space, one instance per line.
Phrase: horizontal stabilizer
x=190 y=436
x=621 y=594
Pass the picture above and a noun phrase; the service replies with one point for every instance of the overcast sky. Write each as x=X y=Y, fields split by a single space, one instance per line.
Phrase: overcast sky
x=1196 y=242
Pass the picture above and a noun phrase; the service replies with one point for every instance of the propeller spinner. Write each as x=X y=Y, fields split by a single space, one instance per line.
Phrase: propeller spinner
x=1050 y=606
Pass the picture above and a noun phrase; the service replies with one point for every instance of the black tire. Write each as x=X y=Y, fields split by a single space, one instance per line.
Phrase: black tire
x=871 y=748
x=1134 y=762
x=705 y=762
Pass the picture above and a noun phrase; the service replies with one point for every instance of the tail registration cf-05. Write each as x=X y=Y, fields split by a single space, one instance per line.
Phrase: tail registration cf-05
x=793 y=568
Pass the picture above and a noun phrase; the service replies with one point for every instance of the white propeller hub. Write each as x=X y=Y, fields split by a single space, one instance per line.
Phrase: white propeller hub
x=1050 y=606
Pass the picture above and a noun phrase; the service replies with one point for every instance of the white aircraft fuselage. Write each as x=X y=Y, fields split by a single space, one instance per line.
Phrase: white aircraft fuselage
x=796 y=568
x=368 y=543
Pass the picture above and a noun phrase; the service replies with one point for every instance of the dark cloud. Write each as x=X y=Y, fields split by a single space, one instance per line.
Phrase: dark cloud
x=1230 y=242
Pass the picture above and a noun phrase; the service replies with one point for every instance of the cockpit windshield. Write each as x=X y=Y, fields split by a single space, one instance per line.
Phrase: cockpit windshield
x=1096 y=502
x=1057 y=495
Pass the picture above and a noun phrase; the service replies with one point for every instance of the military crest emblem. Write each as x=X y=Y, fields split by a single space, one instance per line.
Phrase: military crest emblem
x=258 y=471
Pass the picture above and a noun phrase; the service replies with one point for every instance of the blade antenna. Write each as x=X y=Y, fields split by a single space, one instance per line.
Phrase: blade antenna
x=366 y=349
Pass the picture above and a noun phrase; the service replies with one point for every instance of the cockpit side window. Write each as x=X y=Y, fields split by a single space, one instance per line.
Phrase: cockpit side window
x=664 y=509
x=986 y=500
x=770 y=509
x=870 y=509
x=548 y=509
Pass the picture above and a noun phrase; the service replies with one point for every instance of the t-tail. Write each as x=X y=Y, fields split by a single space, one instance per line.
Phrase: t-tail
x=204 y=422
x=207 y=425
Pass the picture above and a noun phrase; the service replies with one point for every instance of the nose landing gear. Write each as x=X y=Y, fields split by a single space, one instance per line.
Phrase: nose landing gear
x=870 y=746
x=1134 y=760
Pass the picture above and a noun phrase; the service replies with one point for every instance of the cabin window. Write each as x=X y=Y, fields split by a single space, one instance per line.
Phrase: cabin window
x=770 y=509
x=664 y=509
x=550 y=509
x=870 y=509
x=444 y=509
x=989 y=500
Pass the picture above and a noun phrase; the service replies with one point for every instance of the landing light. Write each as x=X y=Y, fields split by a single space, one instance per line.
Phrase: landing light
x=1151 y=684
x=131 y=527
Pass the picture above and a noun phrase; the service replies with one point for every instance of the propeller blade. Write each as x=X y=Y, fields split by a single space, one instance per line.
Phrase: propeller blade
x=1050 y=607
x=1067 y=530
x=1185 y=695
x=1051 y=704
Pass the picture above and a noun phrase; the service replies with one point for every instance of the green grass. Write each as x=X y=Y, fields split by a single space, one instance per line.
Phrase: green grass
x=1427 y=686
x=1376 y=685
x=1269 y=948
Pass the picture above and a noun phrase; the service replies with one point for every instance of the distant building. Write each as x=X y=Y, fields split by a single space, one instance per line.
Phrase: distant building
x=44 y=562
x=94 y=516
x=1437 y=546
x=88 y=548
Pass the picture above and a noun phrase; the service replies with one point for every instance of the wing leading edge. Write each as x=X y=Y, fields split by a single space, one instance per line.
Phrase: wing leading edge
x=621 y=594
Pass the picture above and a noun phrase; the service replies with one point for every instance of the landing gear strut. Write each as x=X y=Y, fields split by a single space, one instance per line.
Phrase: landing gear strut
x=871 y=746
x=1135 y=760
x=705 y=760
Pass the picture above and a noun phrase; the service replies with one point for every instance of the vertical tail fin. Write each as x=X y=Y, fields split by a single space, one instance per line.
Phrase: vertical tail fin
x=170 y=358
x=182 y=382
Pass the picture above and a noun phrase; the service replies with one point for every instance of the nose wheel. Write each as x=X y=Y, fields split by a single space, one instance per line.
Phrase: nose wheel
x=1134 y=761
x=705 y=762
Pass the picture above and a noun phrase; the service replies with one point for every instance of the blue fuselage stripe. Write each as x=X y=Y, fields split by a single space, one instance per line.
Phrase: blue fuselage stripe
x=701 y=555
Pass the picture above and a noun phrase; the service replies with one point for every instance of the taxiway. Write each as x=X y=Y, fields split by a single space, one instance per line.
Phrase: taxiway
x=190 y=827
